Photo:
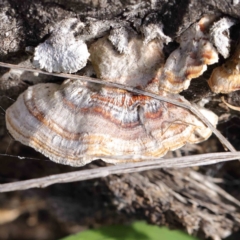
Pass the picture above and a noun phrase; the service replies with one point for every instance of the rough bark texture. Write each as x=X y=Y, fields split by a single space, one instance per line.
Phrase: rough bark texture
x=164 y=197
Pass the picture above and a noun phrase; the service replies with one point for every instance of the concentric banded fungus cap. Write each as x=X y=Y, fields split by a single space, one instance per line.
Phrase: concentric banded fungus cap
x=62 y=51
x=226 y=78
x=190 y=60
x=74 y=124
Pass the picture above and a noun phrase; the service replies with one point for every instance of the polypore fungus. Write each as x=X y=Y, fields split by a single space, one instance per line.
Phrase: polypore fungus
x=135 y=68
x=62 y=51
x=190 y=60
x=226 y=78
x=74 y=124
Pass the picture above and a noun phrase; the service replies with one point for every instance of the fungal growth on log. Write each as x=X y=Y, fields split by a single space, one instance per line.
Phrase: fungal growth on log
x=190 y=60
x=136 y=68
x=62 y=51
x=226 y=78
x=76 y=123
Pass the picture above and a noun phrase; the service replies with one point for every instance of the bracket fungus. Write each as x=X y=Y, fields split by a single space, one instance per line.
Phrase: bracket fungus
x=190 y=60
x=76 y=123
x=62 y=51
x=137 y=67
x=226 y=78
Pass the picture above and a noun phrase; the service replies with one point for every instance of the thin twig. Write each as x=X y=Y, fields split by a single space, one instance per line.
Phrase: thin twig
x=236 y=108
x=180 y=162
x=188 y=106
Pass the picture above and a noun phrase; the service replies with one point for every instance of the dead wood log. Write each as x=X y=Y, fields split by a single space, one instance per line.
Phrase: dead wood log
x=176 y=198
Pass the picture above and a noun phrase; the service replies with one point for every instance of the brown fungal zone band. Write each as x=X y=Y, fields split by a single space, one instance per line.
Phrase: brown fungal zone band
x=115 y=128
x=190 y=60
x=193 y=72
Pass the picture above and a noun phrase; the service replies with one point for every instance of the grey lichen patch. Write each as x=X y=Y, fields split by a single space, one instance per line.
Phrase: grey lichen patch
x=119 y=39
x=137 y=8
x=10 y=32
x=94 y=28
x=152 y=31
x=219 y=34
x=62 y=52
